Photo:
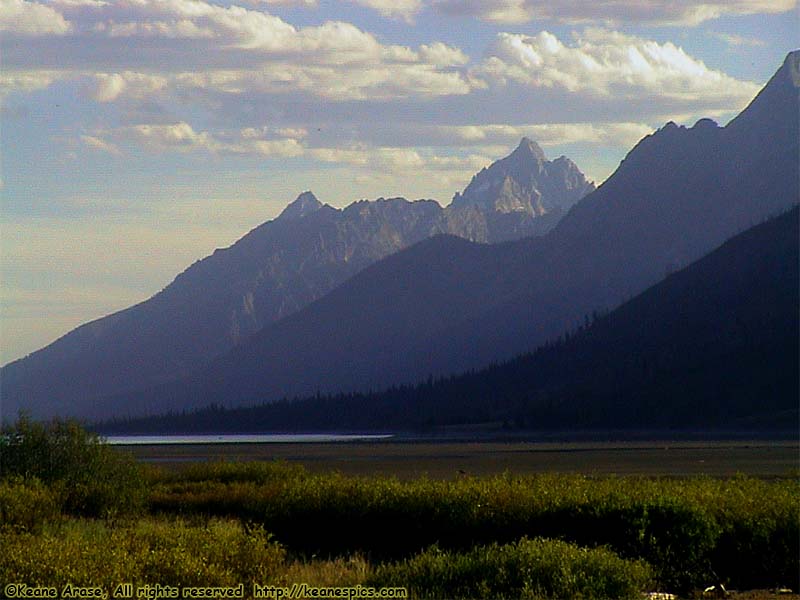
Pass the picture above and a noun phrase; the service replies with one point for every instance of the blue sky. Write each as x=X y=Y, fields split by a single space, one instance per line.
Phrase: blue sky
x=139 y=135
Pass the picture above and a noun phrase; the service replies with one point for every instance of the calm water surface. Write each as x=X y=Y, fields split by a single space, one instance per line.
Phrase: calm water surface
x=303 y=438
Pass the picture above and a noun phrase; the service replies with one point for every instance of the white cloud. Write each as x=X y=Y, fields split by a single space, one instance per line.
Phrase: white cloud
x=622 y=135
x=394 y=9
x=498 y=11
x=107 y=87
x=98 y=144
x=181 y=29
x=25 y=81
x=167 y=46
x=653 y=12
x=737 y=40
x=304 y=3
x=178 y=136
x=398 y=160
x=391 y=158
x=380 y=81
x=31 y=18
x=181 y=137
x=442 y=55
x=72 y=5
x=546 y=134
x=608 y=63
x=230 y=27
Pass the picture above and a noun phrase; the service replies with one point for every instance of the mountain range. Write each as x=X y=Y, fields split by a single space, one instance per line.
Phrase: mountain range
x=447 y=304
x=714 y=345
x=273 y=271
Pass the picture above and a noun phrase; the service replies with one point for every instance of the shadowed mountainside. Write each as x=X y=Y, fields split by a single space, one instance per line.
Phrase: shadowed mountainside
x=447 y=305
x=714 y=345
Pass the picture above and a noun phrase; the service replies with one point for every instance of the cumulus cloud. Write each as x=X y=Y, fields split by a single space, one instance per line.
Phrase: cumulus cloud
x=329 y=82
x=546 y=134
x=498 y=11
x=107 y=87
x=493 y=139
x=737 y=40
x=226 y=27
x=181 y=138
x=25 y=81
x=155 y=47
x=398 y=160
x=180 y=29
x=605 y=63
x=305 y=3
x=164 y=61
x=652 y=12
x=394 y=9
x=442 y=55
x=31 y=18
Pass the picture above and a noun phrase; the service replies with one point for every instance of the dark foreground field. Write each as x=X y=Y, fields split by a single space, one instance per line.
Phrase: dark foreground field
x=444 y=460
x=76 y=512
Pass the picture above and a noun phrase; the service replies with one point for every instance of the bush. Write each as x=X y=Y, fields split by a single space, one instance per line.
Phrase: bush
x=760 y=539
x=745 y=531
x=26 y=505
x=90 y=478
x=527 y=569
x=175 y=553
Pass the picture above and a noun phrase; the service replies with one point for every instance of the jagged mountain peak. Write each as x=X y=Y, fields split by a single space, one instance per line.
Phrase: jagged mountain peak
x=275 y=270
x=774 y=103
x=529 y=149
x=306 y=203
x=525 y=182
x=769 y=126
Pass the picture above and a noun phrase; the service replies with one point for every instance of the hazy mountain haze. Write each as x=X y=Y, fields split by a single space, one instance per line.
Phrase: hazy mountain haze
x=274 y=270
x=712 y=346
x=447 y=304
x=137 y=137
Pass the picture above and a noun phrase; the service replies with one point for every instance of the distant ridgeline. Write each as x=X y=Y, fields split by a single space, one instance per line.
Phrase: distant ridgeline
x=382 y=312
x=714 y=345
x=273 y=271
x=446 y=305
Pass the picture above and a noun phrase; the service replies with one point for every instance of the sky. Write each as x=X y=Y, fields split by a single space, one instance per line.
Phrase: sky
x=136 y=136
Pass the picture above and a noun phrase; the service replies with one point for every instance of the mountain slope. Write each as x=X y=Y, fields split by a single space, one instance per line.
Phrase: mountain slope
x=448 y=305
x=276 y=269
x=713 y=345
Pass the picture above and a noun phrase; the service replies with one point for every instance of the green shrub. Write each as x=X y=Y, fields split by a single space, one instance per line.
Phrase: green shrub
x=527 y=569
x=745 y=531
x=760 y=539
x=218 y=553
x=91 y=478
x=26 y=505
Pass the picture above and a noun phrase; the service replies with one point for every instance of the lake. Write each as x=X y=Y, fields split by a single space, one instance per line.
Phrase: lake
x=277 y=438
